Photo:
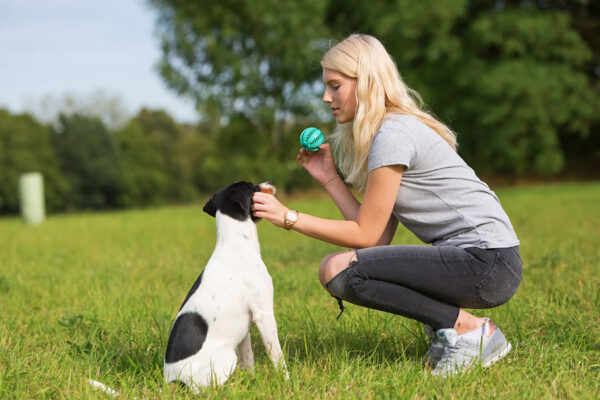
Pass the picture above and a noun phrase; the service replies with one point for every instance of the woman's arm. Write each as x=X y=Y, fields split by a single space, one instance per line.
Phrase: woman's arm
x=321 y=166
x=343 y=198
x=389 y=232
x=367 y=230
x=349 y=206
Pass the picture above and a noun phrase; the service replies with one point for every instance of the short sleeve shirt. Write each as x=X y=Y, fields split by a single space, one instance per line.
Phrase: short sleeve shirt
x=440 y=199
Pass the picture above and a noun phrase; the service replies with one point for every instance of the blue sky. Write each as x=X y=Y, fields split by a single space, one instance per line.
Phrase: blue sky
x=59 y=47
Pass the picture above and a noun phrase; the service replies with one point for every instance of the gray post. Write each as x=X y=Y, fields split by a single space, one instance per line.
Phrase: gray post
x=31 y=189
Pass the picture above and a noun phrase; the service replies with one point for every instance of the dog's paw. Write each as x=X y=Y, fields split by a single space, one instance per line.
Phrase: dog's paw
x=247 y=367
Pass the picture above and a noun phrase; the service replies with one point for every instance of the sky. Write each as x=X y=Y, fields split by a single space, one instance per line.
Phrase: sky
x=53 y=48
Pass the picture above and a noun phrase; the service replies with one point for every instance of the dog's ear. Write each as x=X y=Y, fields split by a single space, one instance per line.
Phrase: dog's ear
x=243 y=199
x=211 y=206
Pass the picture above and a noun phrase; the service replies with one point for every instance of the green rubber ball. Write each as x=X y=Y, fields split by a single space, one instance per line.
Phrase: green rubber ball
x=311 y=138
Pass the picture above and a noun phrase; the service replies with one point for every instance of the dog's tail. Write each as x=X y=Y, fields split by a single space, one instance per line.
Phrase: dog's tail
x=104 y=388
x=107 y=390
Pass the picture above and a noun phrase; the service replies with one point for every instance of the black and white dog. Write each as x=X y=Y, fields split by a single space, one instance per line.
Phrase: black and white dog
x=234 y=291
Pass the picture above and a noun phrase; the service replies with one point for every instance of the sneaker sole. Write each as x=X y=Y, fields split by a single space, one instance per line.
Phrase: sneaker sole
x=498 y=356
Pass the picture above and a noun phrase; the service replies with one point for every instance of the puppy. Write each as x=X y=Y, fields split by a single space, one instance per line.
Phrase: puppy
x=234 y=291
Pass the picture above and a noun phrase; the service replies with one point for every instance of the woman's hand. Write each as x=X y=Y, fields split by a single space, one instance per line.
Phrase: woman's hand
x=318 y=163
x=268 y=207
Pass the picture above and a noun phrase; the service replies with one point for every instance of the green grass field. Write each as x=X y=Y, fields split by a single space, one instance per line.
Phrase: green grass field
x=94 y=295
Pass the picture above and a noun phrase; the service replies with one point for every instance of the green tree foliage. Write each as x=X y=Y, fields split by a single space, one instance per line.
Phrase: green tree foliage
x=143 y=179
x=151 y=160
x=585 y=19
x=255 y=58
x=529 y=81
x=25 y=147
x=239 y=154
x=581 y=152
x=176 y=152
x=512 y=78
x=517 y=80
x=89 y=160
x=509 y=80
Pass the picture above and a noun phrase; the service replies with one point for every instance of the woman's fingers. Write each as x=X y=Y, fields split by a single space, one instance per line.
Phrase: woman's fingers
x=305 y=155
x=259 y=209
x=263 y=201
x=268 y=207
x=300 y=159
x=260 y=197
x=259 y=214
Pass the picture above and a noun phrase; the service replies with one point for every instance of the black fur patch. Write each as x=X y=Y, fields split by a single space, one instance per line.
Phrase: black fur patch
x=187 y=337
x=211 y=206
x=235 y=201
x=195 y=287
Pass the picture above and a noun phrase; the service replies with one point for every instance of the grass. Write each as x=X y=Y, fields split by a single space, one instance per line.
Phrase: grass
x=93 y=296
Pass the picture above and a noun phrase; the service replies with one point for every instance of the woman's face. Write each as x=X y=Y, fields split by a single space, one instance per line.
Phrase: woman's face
x=340 y=94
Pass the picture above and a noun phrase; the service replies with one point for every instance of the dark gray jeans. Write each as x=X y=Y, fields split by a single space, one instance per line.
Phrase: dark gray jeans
x=429 y=283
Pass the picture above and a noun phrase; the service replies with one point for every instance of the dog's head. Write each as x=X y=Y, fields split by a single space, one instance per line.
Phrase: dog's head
x=235 y=200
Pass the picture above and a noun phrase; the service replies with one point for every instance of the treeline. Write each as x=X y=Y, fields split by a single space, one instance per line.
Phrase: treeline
x=518 y=80
x=152 y=160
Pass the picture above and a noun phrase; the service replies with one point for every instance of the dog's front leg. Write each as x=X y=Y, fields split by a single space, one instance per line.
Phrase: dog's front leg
x=245 y=353
x=267 y=326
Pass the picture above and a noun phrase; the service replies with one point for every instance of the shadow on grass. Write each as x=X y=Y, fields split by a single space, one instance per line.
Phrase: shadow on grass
x=344 y=347
x=367 y=336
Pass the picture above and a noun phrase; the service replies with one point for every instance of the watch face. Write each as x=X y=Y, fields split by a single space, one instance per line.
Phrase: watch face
x=291 y=216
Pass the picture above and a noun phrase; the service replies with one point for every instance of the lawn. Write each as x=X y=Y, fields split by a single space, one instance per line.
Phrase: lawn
x=93 y=295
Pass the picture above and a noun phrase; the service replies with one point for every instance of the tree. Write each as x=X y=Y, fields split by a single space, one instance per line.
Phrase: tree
x=234 y=57
x=512 y=78
x=143 y=178
x=176 y=148
x=582 y=152
x=159 y=159
x=25 y=147
x=89 y=160
x=99 y=103
x=509 y=79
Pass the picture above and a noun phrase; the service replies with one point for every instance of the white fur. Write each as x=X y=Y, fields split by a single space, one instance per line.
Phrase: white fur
x=236 y=291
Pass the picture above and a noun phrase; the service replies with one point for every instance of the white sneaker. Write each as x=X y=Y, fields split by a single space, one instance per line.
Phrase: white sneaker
x=462 y=351
x=435 y=350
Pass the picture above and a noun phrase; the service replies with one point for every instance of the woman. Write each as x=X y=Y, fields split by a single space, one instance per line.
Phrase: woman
x=406 y=162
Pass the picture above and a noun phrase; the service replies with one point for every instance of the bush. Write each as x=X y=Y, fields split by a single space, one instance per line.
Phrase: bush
x=25 y=146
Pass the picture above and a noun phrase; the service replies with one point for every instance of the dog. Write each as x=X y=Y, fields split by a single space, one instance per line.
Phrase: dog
x=234 y=291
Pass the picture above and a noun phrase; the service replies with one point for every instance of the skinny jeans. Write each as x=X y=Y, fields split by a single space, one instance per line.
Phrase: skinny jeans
x=429 y=283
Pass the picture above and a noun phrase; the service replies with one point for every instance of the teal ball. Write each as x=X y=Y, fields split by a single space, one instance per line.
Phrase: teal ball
x=311 y=138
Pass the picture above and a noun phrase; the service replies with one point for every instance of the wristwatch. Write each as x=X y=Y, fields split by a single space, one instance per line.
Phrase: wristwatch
x=290 y=218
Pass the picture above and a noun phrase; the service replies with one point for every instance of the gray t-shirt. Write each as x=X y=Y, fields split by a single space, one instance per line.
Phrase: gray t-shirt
x=440 y=198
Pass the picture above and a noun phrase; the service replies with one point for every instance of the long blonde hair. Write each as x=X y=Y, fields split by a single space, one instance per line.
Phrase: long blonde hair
x=380 y=91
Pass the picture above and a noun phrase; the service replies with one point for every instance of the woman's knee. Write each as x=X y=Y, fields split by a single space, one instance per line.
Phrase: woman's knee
x=333 y=264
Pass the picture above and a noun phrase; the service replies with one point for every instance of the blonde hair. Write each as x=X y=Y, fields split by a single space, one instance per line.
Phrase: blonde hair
x=380 y=91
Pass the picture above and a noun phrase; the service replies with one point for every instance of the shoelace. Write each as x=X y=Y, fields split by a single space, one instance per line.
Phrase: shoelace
x=447 y=355
x=450 y=349
x=341 y=305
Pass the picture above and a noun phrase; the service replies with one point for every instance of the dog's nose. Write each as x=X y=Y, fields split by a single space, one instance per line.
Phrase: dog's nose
x=267 y=187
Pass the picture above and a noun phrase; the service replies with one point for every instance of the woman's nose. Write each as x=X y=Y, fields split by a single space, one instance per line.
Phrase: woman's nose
x=326 y=97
